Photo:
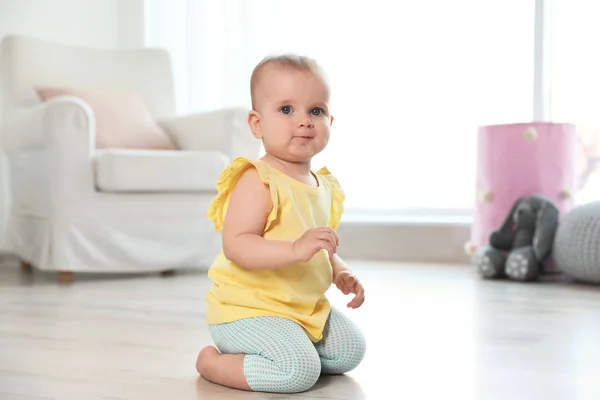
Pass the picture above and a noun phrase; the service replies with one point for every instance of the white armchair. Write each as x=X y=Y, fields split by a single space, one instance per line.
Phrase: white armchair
x=74 y=208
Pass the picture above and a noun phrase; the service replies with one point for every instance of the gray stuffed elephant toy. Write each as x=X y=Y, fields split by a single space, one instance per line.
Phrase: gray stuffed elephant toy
x=524 y=241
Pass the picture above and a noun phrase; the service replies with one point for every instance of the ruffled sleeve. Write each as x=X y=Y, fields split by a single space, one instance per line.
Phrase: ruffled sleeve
x=337 y=198
x=225 y=185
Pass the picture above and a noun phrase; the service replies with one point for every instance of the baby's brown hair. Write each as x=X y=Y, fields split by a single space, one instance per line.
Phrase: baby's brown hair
x=293 y=61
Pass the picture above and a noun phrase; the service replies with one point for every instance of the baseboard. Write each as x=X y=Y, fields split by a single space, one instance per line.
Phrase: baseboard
x=397 y=241
x=405 y=242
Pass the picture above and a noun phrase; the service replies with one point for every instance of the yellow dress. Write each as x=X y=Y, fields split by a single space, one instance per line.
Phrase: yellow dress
x=295 y=292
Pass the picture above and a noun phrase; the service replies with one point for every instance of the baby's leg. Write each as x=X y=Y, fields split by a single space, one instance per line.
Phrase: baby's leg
x=343 y=345
x=263 y=354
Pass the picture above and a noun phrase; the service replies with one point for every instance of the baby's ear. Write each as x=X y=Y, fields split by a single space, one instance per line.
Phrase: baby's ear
x=255 y=124
x=331 y=120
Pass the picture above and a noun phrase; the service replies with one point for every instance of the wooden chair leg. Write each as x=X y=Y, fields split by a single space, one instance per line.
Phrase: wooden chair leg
x=168 y=272
x=26 y=267
x=65 y=277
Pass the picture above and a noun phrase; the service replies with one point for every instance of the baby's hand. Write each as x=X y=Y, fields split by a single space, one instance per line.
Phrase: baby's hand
x=315 y=240
x=348 y=283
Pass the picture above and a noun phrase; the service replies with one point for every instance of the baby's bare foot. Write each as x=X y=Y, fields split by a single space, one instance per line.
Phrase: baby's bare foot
x=223 y=369
x=207 y=354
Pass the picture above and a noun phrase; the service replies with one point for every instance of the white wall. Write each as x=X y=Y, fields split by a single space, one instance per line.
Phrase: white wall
x=81 y=22
x=132 y=23
x=93 y=23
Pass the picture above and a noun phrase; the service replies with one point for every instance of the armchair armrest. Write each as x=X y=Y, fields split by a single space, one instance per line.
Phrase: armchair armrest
x=64 y=121
x=61 y=132
x=223 y=130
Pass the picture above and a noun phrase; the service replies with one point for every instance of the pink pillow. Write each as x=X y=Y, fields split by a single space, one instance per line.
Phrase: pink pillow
x=122 y=119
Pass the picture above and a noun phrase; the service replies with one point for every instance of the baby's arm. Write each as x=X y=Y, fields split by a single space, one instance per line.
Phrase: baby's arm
x=337 y=264
x=247 y=213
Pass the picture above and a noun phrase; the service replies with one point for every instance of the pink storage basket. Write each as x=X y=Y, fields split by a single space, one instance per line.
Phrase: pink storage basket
x=517 y=160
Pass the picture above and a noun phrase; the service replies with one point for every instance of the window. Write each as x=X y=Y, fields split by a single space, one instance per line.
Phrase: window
x=575 y=84
x=411 y=83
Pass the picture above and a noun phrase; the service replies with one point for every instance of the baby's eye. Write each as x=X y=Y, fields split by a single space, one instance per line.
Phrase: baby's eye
x=317 y=112
x=286 y=109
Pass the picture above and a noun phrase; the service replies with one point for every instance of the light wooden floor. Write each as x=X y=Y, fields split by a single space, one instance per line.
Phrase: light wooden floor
x=433 y=332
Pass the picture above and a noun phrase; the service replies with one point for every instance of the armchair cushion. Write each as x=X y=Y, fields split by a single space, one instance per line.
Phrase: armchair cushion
x=121 y=118
x=158 y=171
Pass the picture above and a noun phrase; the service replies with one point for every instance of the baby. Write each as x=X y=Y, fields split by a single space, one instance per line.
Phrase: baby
x=271 y=322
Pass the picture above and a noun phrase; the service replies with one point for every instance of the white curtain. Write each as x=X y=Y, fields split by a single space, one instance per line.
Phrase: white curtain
x=575 y=83
x=411 y=81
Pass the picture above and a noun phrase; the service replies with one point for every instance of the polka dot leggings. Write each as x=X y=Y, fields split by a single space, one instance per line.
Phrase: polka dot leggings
x=280 y=357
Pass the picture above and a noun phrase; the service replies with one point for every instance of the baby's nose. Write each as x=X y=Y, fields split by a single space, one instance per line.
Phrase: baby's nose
x=305 y=122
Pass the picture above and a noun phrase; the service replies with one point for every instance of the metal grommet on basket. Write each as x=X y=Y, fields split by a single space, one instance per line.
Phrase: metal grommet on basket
x=530 y=133
x=486 y=196
x=470 y=248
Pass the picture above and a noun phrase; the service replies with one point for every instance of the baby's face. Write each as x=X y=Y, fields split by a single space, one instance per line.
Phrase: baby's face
x=293 y=114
